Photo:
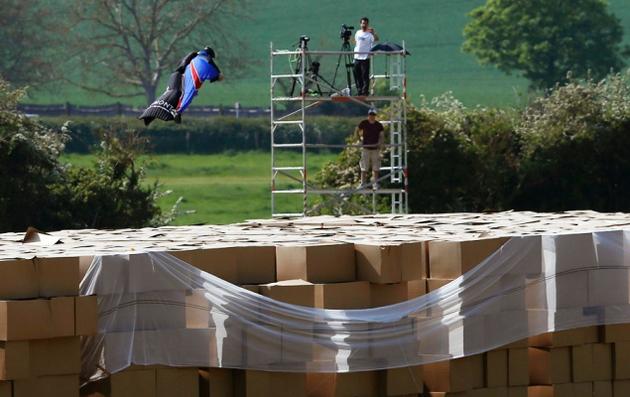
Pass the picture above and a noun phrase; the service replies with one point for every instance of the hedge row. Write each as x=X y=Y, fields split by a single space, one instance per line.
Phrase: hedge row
x=203 y=136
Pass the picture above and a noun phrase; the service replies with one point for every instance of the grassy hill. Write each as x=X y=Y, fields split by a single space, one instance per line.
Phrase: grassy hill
x=432 y=30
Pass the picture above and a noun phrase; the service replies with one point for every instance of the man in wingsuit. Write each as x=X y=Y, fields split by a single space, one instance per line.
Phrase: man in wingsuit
x=183 y=86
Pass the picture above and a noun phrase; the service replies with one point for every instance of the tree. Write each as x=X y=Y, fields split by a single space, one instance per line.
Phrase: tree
x=30 y=36
x=38 y=190
x=127 y=46
x=544 y=40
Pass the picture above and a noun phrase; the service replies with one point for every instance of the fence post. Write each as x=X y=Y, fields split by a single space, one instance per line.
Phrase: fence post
x=119 y=108
x=67 y=108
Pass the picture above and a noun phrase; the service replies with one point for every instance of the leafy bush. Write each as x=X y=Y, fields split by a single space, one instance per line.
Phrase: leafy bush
x=37 y=190
x=567 y=150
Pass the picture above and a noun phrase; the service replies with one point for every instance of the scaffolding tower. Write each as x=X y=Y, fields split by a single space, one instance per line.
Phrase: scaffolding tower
x=290 y=186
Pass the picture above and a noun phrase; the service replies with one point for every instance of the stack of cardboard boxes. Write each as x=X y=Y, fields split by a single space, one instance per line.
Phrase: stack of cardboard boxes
x=326 y=262
x=41 y=321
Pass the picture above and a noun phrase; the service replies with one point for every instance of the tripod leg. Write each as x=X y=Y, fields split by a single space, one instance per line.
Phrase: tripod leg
x=297 y=70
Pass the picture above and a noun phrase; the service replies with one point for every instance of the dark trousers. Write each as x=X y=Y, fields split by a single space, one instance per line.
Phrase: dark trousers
x=362 y=75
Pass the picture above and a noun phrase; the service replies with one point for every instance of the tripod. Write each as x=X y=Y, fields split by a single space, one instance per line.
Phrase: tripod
x=313 y=67
x=349 y=63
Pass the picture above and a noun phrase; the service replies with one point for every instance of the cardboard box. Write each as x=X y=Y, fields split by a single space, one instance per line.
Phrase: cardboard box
x=616 y=333
x=540 y=391
x=603 y=389
x=324 y=263
x=113 y=277
x=584 y=389
x=621 y=388
x=518 y=367
x=220 y=261
x=621 y=358
x=454 y=375
x=136 y=383
x=592 y=362
x=256 y=264
x=568 y=338
x=86 y=315
x=389 y=263
x=389 y=294
x=607 y=287
x=147 y=274
x=260 y=383
x=496 y=369
x=435 y=283
x=58 y=356
x=295 y=292
x=18 y=280
x=414 y=256
x=401 y=381
x=57 y=276
x=539 y=366
x=451 y=259
x=488 y=392
x=572 y=252
x=560 y=367
x=349 y=384
x=346 y=296
x=36 y=319
x=149 y=310
x=14 y=360
x=49 y=386
x=6 y=389
x=216 y=382
x=182 y=382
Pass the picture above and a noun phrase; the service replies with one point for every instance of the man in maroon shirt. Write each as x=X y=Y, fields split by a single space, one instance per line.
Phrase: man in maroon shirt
x=370 y=132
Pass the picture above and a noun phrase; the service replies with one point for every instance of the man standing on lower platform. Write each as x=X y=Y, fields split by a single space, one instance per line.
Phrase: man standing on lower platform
x=371 y=133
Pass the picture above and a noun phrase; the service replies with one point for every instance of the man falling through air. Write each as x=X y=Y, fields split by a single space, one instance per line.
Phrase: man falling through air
x=183 y=86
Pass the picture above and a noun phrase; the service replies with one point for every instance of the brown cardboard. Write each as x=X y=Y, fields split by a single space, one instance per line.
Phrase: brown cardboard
x=381 y=264
x=434 y=283
x=219 y=261
x=488 y=392
x=539 y=366
x=256 y=264
x=414 y=260
x=197 y=309
x=141 y=310
x=352 y=384
x=6 y=389
x=621 y=358
x=540 y=391
x=36 y=319
x=455 y=375
x=57 y=276
x=346 y=296
x=497 y=368
x=603 y=389
x=86 y=315
x=583 y=389
x=573 y=337
x=14 y=360
x=517 y=391
x=324 y=263
x=616 y=333
x=260 y=383
x=216 y=382
x=609 y=287
x=295 y=292
x=182 y=382
x=451 y=259
x=560 y=365
x=136 y=383
x=518 y=367
x=49 y=386
x=592 y=362
x=401 y=381
x=389 y=294
x=621 y=388
x=58 y=356
x=18 y=280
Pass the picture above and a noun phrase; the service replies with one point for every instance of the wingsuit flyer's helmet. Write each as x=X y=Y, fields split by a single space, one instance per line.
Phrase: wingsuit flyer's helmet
x=209 y=51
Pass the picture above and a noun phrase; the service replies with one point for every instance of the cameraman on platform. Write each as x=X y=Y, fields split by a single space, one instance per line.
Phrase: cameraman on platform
x=364 y=41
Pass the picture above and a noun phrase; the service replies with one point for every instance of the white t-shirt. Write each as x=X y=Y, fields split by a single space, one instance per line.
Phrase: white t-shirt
x=365 y=42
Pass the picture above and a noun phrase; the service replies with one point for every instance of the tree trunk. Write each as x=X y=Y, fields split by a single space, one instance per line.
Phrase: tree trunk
x=149 y=92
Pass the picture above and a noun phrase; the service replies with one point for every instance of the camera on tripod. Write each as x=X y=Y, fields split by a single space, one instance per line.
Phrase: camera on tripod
x=346 y=32
x=303 y=41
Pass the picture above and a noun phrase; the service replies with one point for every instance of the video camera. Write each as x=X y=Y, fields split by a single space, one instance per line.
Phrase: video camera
x=346 y=32
x=303 y=41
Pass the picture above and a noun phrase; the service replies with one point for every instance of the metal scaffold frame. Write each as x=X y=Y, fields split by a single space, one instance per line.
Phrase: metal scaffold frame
x=295 y=117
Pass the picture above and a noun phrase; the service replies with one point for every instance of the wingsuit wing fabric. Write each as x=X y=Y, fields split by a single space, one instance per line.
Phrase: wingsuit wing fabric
x=182 y=87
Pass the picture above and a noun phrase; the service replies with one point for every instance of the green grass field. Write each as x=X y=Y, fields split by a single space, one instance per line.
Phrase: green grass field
x=222 y=188
x=432 y=30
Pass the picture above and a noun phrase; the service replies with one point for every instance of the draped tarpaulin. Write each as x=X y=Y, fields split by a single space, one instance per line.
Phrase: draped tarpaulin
x=156 y=309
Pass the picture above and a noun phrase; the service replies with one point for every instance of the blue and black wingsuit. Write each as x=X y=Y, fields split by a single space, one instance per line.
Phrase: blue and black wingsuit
x=183 y=86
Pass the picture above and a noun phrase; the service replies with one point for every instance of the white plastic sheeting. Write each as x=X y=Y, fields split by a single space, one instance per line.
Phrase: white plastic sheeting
x=156 y=309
